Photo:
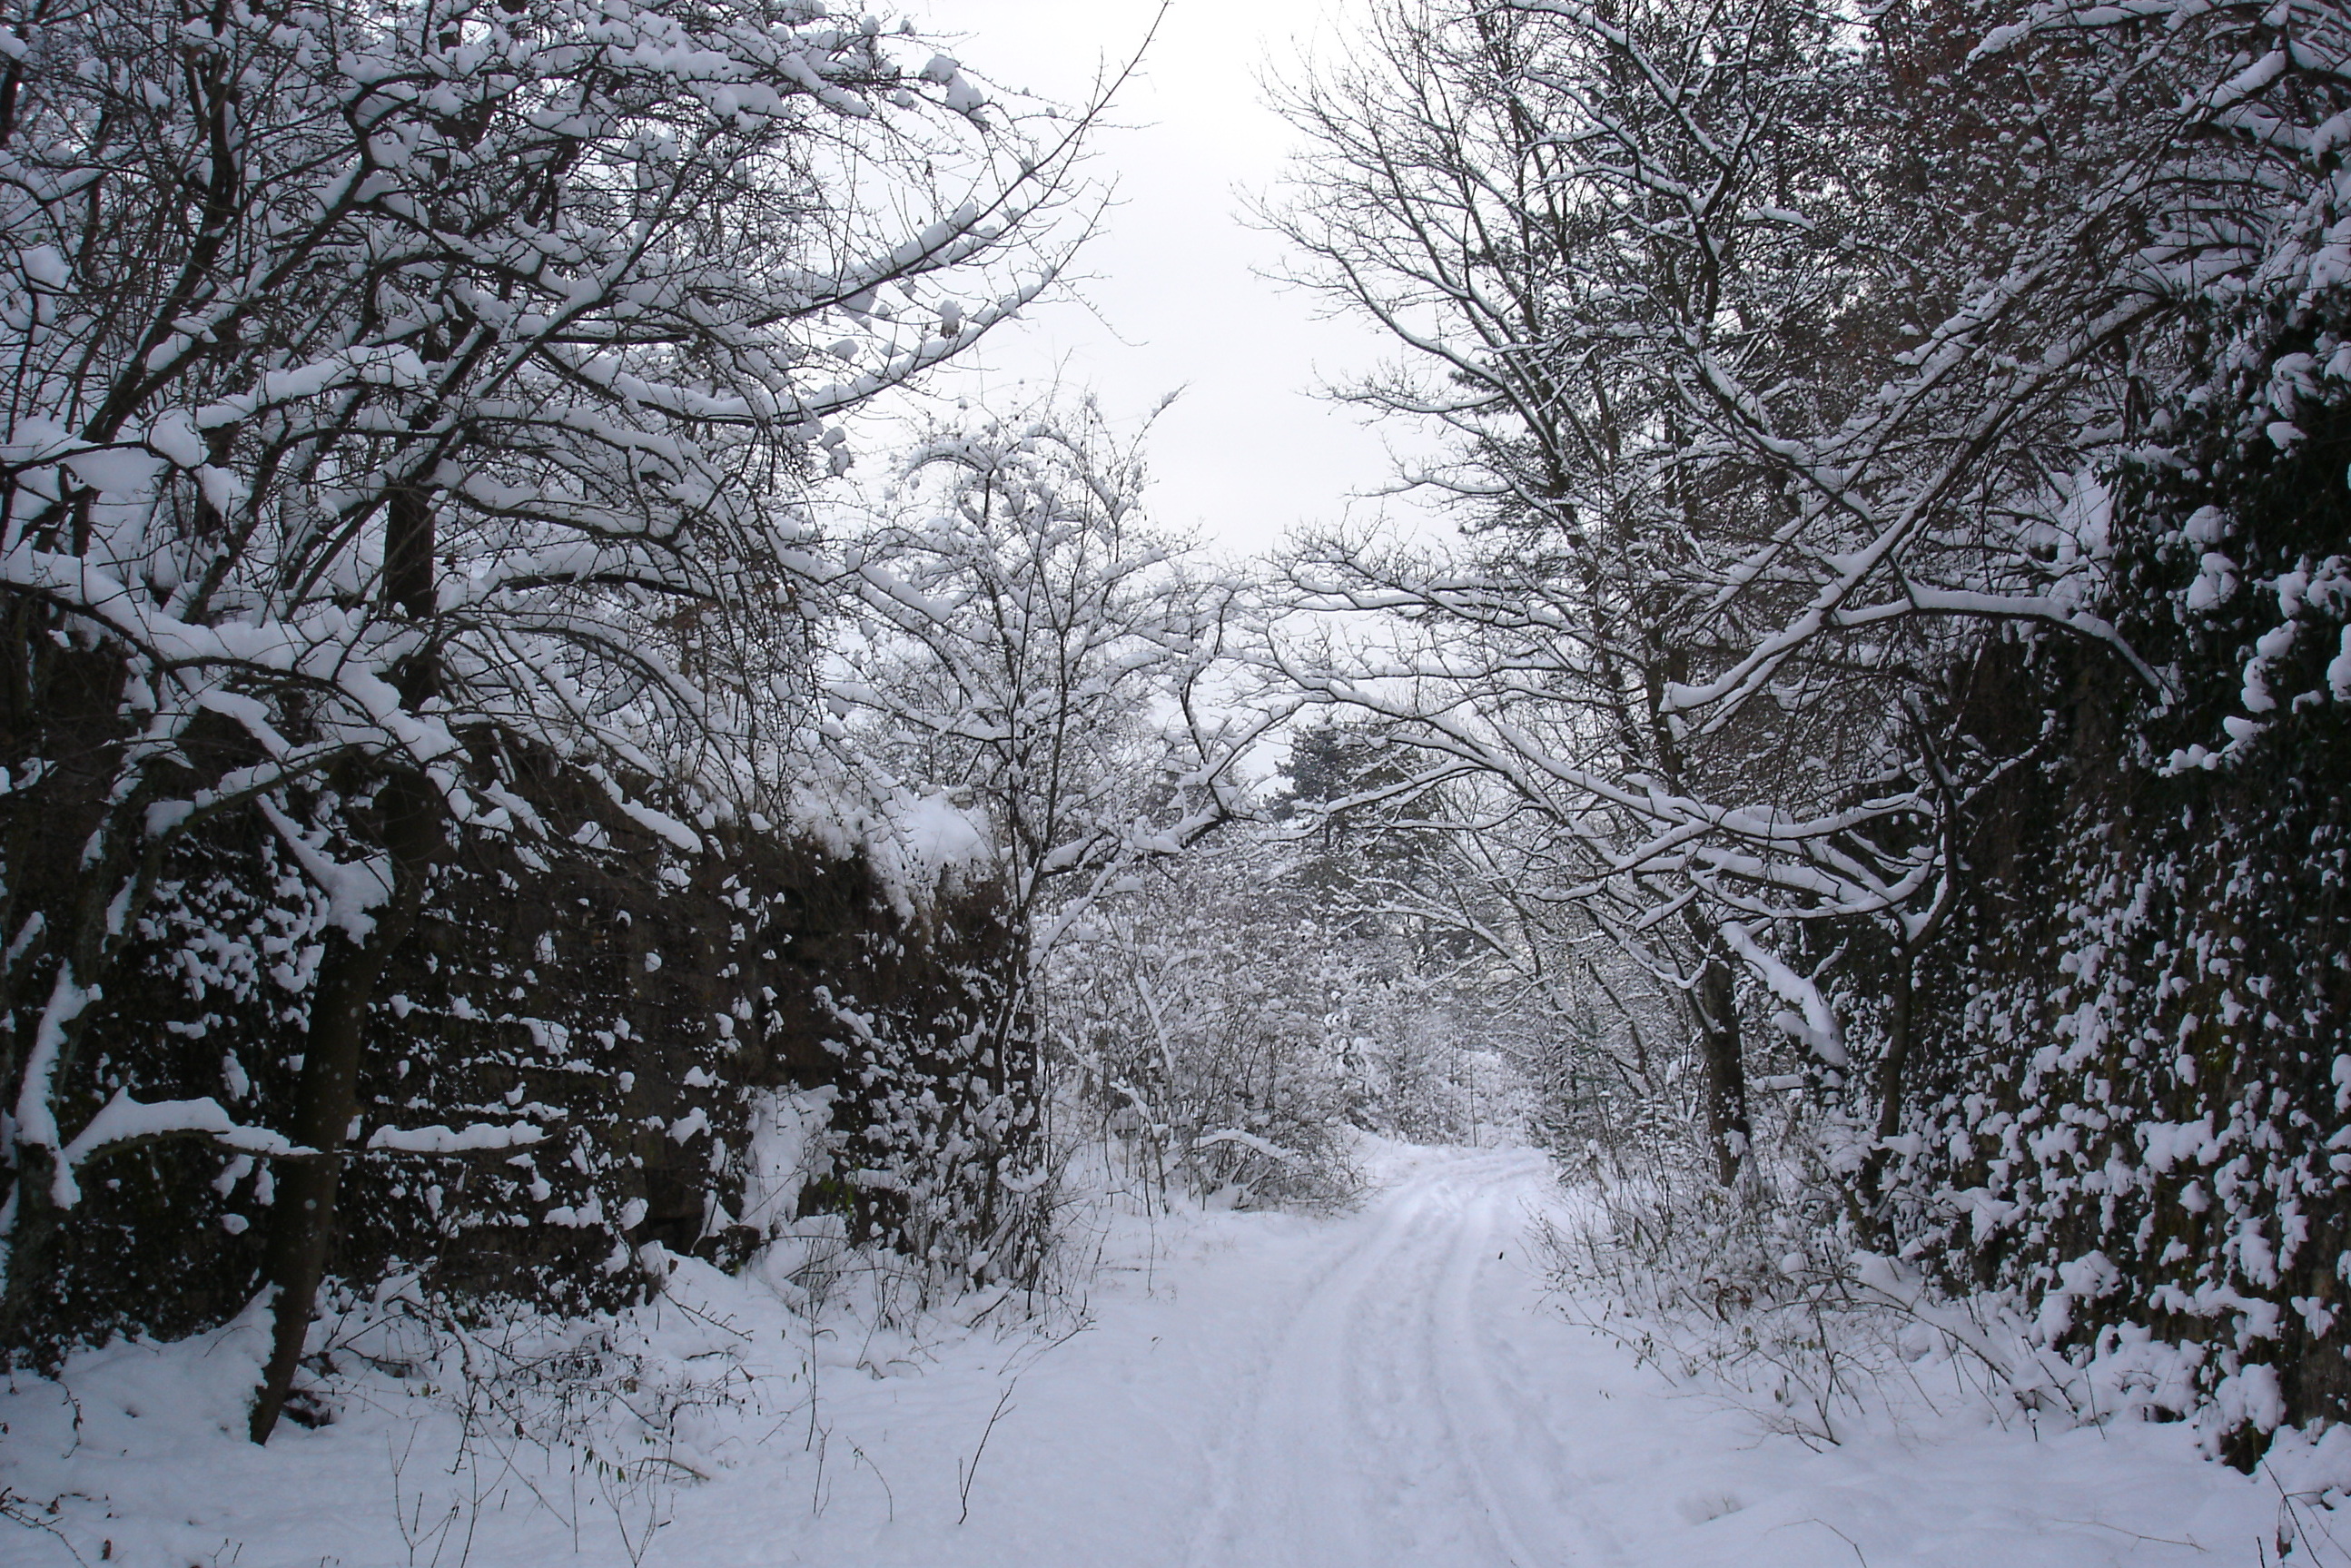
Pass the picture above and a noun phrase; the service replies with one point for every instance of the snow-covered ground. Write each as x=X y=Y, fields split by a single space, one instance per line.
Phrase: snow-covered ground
x=1386 y=1387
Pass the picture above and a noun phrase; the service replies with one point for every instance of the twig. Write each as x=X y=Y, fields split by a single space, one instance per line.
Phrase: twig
x=889 y=1498
x=964 y=1475
x=1841 y=1535
x=17 y=1509
x=2191 y=1542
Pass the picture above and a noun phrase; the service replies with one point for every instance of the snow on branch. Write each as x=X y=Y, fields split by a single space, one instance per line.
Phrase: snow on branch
x=125 y=1122
x=352 y=888
x=440 y=1140
x=1271 y=1150
x=1816 y=1026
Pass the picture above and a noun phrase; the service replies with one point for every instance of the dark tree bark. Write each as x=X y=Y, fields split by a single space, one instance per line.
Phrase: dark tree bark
x=1727 y=1130
x=96 y=930
x=302 y=1218
x=1893 y=1074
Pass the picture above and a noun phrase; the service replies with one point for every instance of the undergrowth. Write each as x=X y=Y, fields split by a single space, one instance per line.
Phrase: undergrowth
x=1762 y=1296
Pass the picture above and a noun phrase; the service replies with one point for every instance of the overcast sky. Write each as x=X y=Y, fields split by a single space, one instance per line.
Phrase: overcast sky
x=1248 y=452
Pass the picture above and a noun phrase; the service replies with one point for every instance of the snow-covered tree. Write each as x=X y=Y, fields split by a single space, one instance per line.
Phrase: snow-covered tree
x=383 y=380
x=1850 y=412
x=1579 y=224
x=1032 y=651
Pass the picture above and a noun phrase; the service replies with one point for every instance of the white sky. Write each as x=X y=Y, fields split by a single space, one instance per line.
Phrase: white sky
x=1248 y=452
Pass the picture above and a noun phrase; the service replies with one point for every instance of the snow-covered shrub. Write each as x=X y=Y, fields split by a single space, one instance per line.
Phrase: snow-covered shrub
x=1193 y=1016
x=1724 y=1288
x=1766 y=1294
x=2138 y=1053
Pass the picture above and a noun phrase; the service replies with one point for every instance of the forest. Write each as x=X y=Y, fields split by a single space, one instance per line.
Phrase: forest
x=541 y=760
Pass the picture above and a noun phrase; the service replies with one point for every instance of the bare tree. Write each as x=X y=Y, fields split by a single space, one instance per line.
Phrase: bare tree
x=1034 y=648
x=1547 y=208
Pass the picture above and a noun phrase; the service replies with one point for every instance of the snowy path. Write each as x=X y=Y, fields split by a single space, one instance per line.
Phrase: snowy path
x=1296 y=1394
x=1388 y=1423
x=1384 y=1389
x=1390 y=1389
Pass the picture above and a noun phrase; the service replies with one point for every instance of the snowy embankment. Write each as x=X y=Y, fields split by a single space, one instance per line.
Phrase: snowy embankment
x=1253 y=1391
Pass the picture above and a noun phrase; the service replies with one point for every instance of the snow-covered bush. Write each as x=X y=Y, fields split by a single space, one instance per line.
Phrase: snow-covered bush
x=1194 y=1016
x=582 y=1049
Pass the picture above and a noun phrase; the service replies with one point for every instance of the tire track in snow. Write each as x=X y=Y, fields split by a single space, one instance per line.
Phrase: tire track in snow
x=1275 y=1499
x=1524 y=1475
x=1377 y=1431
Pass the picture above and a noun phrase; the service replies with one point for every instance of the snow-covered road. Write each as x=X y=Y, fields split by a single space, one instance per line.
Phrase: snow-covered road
x=1392 y=1389
x=1390 y=1418
x=1277 y=1391
x=1387 y=1389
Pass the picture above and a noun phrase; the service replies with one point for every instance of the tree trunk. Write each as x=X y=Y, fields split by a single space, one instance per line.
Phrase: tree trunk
x=30 y=1241
x=1892 y=1068
x=302 y=1217
x=1727 y=1126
